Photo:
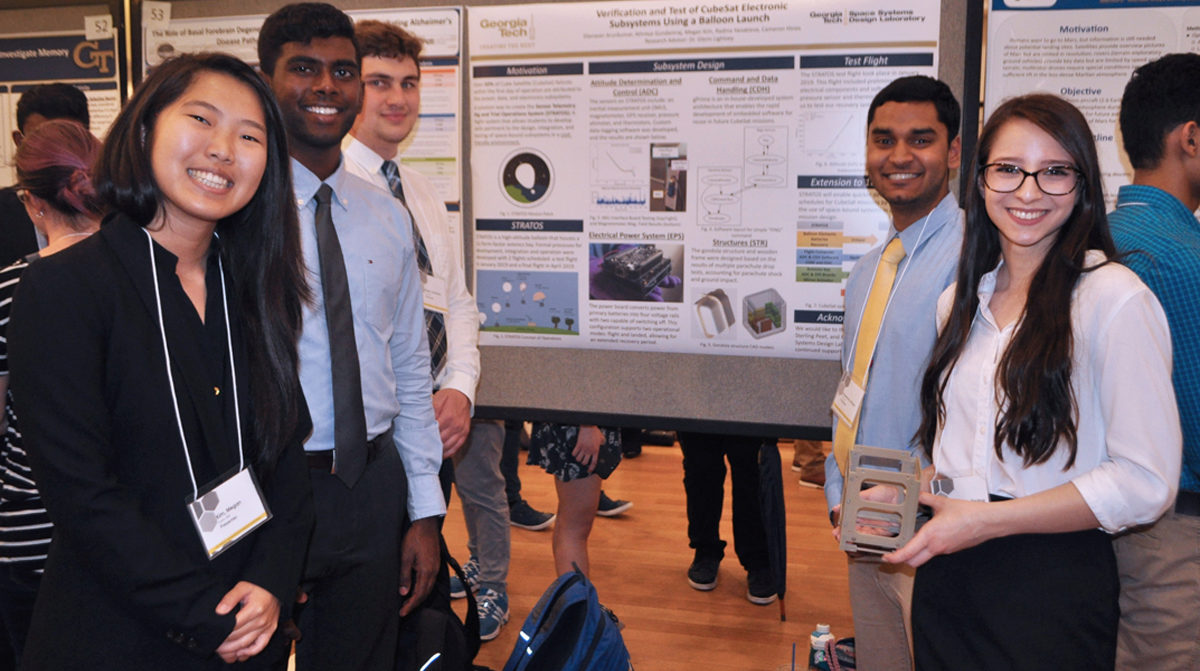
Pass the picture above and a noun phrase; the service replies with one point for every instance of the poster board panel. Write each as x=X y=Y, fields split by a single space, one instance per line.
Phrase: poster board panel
x=648 y=381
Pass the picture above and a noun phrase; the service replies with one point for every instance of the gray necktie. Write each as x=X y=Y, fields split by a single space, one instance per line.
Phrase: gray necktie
x=349 y=420
x=435 y=322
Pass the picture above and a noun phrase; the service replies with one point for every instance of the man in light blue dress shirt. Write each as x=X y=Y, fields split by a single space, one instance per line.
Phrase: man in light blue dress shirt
x=912 y=150
x=359 y=574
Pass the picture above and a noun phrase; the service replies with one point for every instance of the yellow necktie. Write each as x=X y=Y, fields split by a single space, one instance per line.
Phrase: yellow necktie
x=868 y=333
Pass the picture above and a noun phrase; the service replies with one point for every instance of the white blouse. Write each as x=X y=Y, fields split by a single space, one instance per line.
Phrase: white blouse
x=1129 y=441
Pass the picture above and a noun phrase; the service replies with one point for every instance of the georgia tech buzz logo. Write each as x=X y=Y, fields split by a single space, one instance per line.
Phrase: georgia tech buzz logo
x=88 y=55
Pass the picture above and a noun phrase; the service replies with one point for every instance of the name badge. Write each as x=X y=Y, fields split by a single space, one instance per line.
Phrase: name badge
x=228 y=512
x=848 y=399
x=434 y=294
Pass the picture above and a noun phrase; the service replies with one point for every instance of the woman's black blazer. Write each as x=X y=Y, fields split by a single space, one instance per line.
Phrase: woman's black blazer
x=127 y=583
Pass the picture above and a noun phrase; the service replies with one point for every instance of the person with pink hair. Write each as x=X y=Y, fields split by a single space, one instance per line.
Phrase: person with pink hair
x=54 y=184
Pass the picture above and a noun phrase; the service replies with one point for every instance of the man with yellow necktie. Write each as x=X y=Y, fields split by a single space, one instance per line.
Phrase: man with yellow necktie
x=890 y=325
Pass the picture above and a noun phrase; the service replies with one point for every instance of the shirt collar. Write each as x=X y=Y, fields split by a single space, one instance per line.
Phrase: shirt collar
x=943 y=213
x=1144 y=195
x=363 y=155
x=305 y=184
x=987 y=283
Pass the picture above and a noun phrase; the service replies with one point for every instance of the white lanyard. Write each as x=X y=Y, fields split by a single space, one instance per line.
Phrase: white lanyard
x=187 y=455
x=895 y=288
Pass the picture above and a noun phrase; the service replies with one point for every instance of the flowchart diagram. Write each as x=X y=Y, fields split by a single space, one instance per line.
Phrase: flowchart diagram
x=764 y=166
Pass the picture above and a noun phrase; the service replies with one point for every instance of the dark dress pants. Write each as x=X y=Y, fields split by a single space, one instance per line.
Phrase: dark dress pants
x=352 y=575
x=704 y=456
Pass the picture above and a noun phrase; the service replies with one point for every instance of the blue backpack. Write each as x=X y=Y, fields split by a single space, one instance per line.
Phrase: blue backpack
x=569 y=629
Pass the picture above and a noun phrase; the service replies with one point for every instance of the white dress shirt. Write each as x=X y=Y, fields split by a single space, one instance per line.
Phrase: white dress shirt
x=1129 y=441
x=389 y=329
x=462 y=320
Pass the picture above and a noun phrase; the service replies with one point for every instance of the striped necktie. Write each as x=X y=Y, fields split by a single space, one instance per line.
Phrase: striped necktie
x=435 y=322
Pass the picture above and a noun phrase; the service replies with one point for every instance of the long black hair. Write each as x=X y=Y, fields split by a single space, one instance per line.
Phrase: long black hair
x=260 y=243
x=1033 y=379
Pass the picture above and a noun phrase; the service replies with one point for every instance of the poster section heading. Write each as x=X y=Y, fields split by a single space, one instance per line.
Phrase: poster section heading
x=30 y=60
x=1085 y=52
x=685 y=177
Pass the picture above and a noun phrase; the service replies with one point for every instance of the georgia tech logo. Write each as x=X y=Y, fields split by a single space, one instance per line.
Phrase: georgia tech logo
x=509 y=28
x=88 y=55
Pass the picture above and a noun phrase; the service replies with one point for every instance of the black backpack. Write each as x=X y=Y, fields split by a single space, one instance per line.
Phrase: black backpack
x=433 y=638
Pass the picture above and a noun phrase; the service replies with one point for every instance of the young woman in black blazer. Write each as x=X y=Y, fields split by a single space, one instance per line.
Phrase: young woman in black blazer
x=154 y=361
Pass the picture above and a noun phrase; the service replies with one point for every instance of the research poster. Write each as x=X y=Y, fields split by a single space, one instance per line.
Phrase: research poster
x=435 y=146
x=678 y=176
x=1084 y=51
x=69 y=57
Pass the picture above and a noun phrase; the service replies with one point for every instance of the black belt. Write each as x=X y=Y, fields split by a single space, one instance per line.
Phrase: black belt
x=1188 y=503
x=322 y=460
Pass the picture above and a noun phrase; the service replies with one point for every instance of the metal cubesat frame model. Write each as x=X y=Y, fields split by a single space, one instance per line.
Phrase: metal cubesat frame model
x=879 y=466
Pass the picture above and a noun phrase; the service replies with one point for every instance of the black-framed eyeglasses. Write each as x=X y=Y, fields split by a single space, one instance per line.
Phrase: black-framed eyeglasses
x=1054 y=180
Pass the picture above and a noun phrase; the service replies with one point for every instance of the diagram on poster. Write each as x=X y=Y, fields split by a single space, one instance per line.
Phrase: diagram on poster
x=832 y=134
x=525 y=177
x=721 y=196
x=766 y=157
x=619 y=175
x=527 y=302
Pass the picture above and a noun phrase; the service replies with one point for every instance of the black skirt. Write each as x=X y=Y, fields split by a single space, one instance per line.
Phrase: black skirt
x=551 y=445
x=1031 y=601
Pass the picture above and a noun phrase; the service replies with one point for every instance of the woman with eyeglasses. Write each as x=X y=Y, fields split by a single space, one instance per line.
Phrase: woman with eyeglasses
x=1048 y=412
x=53 y=164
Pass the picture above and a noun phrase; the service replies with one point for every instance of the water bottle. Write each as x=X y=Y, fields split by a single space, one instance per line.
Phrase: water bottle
x=818 y=657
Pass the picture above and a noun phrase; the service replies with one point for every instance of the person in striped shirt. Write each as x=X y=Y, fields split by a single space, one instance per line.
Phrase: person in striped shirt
x=54 y=186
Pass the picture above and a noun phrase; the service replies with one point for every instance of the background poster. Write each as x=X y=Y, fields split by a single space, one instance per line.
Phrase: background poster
x=1084 y=51
x=68 y=57
x=434 y=147
x=681 y=177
